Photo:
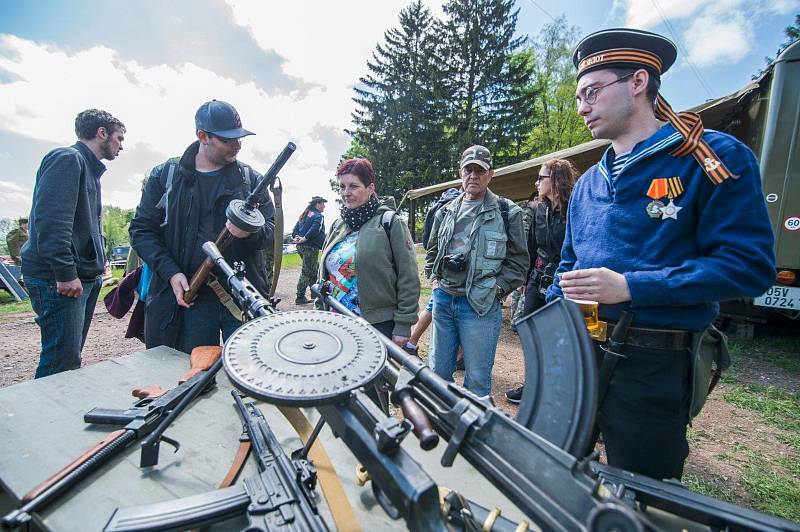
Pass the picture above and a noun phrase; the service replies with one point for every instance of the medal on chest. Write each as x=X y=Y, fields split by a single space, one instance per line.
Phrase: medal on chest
x=660 y=189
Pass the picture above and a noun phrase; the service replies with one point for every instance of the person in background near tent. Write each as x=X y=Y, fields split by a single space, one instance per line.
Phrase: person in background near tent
x=518 y=296
x=546 y=236
x=476 y=256
x=16 y=238
x=309 y=236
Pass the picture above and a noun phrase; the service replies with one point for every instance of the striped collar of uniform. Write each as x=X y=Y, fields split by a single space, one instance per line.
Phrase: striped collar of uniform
x=665 y=137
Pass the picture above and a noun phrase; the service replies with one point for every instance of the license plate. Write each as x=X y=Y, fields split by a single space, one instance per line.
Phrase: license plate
x=787 y=297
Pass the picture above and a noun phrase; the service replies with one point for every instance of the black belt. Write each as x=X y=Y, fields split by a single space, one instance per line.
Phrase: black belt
x=672 y=339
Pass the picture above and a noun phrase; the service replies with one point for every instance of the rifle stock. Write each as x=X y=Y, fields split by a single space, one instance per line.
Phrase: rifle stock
x=199 y=278
x=72 y=466
x=75 y=471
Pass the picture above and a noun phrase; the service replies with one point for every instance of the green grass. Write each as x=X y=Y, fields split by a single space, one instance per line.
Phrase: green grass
x=698 y=485
x=777 y=407
x=772 y=492
x=774 y=486
x=780 y=351
x=291 y=260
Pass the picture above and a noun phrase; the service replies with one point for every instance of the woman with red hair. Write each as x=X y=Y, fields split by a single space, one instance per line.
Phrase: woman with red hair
x=368 y=256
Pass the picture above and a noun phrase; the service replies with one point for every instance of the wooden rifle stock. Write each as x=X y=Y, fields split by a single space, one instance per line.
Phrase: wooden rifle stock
x=202 y=358
x=200 y=276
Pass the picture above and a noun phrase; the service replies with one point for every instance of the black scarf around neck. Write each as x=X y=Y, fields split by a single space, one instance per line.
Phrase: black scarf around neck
x=355 y=218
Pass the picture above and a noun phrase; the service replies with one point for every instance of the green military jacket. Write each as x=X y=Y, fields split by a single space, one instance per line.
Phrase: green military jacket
x=496 y=258
x=15 y=239
x=386 y=291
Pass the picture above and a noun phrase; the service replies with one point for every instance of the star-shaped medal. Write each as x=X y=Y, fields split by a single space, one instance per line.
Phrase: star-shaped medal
x=670 y=210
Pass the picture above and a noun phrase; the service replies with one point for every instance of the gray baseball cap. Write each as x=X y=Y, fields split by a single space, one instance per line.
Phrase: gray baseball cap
x=221 y=119
x=477 y=154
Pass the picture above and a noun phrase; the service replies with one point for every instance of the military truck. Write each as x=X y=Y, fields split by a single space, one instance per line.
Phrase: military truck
x=770 y=125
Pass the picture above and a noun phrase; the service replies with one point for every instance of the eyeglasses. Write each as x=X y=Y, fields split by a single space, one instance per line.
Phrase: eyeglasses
x=590 y=93
x=223 y=139
x=540 y=177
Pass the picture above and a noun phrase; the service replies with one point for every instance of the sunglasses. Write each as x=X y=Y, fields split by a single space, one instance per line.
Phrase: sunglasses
x=540 y=177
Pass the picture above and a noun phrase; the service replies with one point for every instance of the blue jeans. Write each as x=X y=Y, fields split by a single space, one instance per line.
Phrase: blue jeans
x=457 y=324
x=63 y=322
x=201 y=324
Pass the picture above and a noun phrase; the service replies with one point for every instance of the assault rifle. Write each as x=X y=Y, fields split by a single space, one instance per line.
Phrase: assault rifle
x=534 y=460
x=148 y=416
x=280 y=497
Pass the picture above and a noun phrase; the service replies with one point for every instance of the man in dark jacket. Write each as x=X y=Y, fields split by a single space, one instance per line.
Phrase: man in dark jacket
x=63 y=260
x=309 y=236
x=182 y=207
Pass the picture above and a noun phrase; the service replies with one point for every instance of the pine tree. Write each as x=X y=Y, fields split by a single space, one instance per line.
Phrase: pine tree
x=399 y=117
x=485 y=88
x=791 y=33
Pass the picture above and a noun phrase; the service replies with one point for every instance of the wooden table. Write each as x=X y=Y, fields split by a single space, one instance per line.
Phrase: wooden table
x=42 y=429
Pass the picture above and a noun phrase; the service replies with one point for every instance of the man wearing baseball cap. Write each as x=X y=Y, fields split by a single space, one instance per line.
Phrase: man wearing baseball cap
x=669 y=222
x=477 y=253
x=183 y=206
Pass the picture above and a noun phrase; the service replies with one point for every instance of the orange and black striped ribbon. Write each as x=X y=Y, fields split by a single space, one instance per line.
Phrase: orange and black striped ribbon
x=621 y=55
x=690 y=128
x=675 y=187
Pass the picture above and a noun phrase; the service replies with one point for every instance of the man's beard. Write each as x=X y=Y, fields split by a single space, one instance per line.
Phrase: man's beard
x=105 y=150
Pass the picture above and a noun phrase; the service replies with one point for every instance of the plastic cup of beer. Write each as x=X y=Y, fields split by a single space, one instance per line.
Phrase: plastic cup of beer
x=589 y=311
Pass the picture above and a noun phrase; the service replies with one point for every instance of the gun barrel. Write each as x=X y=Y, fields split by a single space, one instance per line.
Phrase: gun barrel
x=250 y=300
x=272 y=173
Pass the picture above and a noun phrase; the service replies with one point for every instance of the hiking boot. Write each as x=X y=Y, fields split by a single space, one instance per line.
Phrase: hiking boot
x=515 y=395
x=302 y=300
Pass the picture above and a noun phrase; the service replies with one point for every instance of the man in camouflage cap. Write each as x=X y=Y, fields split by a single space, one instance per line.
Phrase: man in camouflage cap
x=16 y=238
x=477 y=253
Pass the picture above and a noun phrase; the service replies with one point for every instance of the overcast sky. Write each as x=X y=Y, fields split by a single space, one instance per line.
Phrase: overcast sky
x=288 y=67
